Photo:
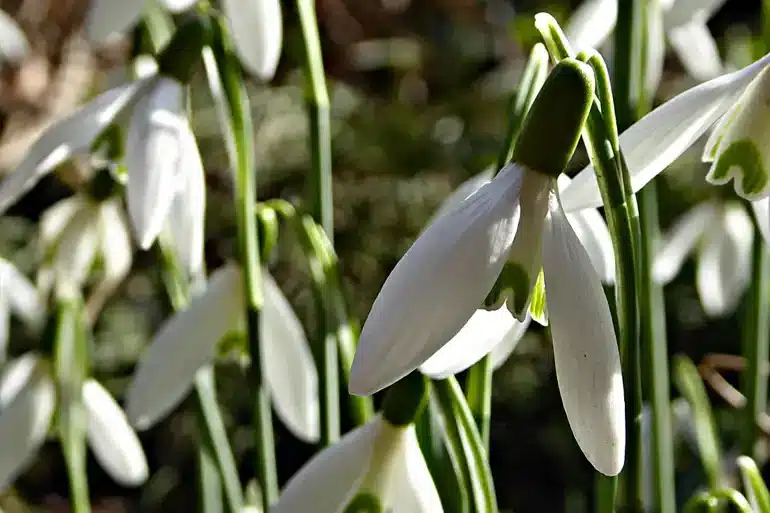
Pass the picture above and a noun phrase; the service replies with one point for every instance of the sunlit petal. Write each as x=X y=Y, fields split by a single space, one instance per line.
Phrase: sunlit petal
x=438 y=284
x=724 y=263
x=115 y=241
x=503 y=350
x=183 y=344
x=179 y=5
x=762 y=215
x=681 y=239
x=412 y=488
x=584 y=345
x=465 y=189
x=593 y=233
x=257 y=31
x=288 y=364
x=591 y=23
x=112 y=440
x=21 y=295
x=77 y=246
x=656 y=140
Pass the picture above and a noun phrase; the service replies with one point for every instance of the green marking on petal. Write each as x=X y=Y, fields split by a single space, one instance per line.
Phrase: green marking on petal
x=512 y=285
x=538 y=308
x=742 y=161
x=364 y=502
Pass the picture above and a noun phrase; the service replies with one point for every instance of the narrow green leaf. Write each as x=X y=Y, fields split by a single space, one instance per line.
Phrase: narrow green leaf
x=755 y=487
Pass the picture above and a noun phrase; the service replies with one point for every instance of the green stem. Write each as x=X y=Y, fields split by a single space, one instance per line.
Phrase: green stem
x=321 y=207
x=653 y=333
x=244 y=168
x=210 y=485
x=755 y=346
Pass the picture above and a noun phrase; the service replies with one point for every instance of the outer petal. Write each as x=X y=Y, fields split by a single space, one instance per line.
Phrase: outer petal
x=656 y=49
x=13 y=43
x=438 y=284
x=412 y=488
x=188 y=208
x=483 y=332
x=762 y=215
x=115 y=242
x=465 y=189
x=593 y=233
x=503 y=350
x=183 y=344
x=697 y=50
x=682 y=12
x=24 y=421
x=179 y=5
x=584 y=346
x=288 y=364
x=67 y=137
x=108 y=20
x=257 y=32
x=332 y=477
x=153 y=155
x=112 y=440
x=591 y=23
x=55 y=220
x=724 y=263
x=76 y=249
x=681 y=240
x=21 y=294
x=656 y=140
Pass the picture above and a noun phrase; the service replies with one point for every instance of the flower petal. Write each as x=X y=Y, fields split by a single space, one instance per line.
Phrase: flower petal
x=5 y=323
x=438 y=284
x=656 y=49
x=55 y=219
x=762 y=215
x=76 y=249
x=24 y=423
x=591 y=23
x=183 y=344
x=108 y=20
x=697 y=50
x=178 y=5
x=463 y=191
x=21 y=295
x=724 y=263
x=63 y=139
x=412 y=488
x=188 y=208
x=681 y=240
x=593 y=233
x=113 y=442
x=483 y=332
x=332 y=477
x=504 y=349
x=288 y=364
x=257 y=31
x=682 y=12
x=153 y=156
x=584 y=346
x=13 y=43
x=656 y=140
x=115 y=242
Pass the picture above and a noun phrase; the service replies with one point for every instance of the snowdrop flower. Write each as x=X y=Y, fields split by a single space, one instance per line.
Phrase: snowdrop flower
x=20 y=297
x=684 y=24
x=497 y=332
x=377 y=463
x=509 y=229
x=187 y=341
x=736 y=147
x=27 y=404
x=723 y=235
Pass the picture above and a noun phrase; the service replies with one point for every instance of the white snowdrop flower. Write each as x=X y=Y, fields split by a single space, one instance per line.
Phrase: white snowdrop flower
x=510 y=228
x=737 y=147
x=488 y=329
x=379 y=459
x=723 y=235
x=18 y=296
x=27 y=402
x=188 y=340
x=257 y=32
x=683 y=23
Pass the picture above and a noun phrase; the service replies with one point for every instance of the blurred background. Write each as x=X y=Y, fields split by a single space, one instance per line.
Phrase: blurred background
x=419 y=96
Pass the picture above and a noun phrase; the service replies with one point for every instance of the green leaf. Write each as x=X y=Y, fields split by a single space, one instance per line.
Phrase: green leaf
x=755 y=487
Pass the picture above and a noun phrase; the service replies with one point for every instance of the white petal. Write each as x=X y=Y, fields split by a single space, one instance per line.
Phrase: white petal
x=503 y=350
x=5 y=324
x=56 y=218
x=332 y=477
x=76 y=250
x=697 y=50
x=15 y=376
x=13 y=43
x=593 y=233
x=483 y=332
x=178 y=5
x=183 y=344
x=724 y=263
x=257 y=32
x=681 y=240
x=113 y=442
x=437 y=285
x=153 y=154
x=63 y=139
x=412 y=488
x=463 y=191
x=591 y=23
x=24 y=424
x=22 y=296
x=288 y=364
x=187 y=213
x=108 y=20
x=656 y=140
x=762 y=215
x=656 y=49
x=584 y=346
x=115 y=242
x=682 y=12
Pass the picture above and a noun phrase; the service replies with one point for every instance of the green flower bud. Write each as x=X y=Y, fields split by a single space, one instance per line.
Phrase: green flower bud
x=267 y=228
